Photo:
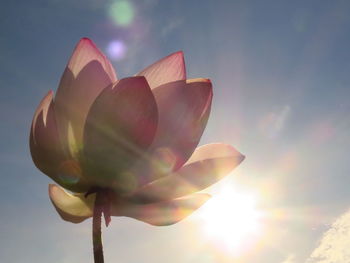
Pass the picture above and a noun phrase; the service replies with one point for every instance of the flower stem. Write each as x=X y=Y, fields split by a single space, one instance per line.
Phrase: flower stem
x=96 y=228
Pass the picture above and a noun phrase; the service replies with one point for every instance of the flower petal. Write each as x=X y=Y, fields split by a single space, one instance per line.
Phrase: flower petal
x=88 y=72
x=73 y=208
x=163 y=213
x=119 y=128
x=208 y=164
x=168 y=69
x=44 y=142
x=184 y=108
x=47 y=152
x=85 y=52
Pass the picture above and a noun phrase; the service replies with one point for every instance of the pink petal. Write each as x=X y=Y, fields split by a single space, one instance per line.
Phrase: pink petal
x=47 y=152
x=184 y=108
x=119 y=128
x=208 y=164
x=88 y=72
x=85 y=52
x=168 y=69
x=76 y=208
x=73 y=208
x=163 y=213
x=44 y=142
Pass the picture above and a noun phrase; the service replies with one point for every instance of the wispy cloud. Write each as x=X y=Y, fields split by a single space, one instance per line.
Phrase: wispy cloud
x=173 y=25
x=274 y=122
x=335 y=243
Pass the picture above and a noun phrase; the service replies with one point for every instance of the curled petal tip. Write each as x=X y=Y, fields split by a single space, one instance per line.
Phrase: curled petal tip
x=240 y=157
x=50 y=188
x=74 y=208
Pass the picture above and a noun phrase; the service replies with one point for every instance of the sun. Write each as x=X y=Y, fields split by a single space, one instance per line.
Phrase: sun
x=231 y=220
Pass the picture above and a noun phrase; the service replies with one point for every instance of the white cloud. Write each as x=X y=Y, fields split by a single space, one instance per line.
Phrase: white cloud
x=290 y=259
x=334 y=246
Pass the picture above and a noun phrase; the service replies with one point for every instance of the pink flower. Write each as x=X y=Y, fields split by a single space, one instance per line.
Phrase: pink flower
x=135 y=138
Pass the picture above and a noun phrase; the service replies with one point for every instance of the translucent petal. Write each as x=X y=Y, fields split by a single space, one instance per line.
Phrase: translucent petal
x=163 y=213
x=44 y=141
x=77 y=208
x=85 y=52
x=88 y=72
x=74 y=208
x=209 y=164
x=184 y=108
x=167 y=69
x=119 y=129
x=47 y=152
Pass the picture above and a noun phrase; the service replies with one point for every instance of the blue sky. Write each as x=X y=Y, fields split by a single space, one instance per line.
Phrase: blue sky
x=280 y=72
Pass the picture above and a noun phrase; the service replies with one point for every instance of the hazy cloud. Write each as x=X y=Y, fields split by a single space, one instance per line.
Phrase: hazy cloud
x=173 y=25
x=334 y=246
x=290 y=259
x=274 y=122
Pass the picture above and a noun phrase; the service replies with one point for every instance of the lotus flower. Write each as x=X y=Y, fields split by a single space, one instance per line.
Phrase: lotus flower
x=134 y=139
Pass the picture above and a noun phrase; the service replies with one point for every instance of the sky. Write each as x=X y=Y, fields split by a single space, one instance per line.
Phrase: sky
x=281 y=82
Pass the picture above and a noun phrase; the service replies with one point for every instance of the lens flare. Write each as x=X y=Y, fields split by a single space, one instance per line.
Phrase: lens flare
x=121 y=12
x=69 y=172
x=231 y=220
x=116 y=50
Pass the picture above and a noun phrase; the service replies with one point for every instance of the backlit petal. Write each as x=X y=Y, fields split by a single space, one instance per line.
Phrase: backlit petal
x=47 y=152
x=74 y=208
x=168 y=69
x=163 y=213
x=120 y=127
x=208 y=164
x=184 y=108
x=85 y=52
x=88 y=72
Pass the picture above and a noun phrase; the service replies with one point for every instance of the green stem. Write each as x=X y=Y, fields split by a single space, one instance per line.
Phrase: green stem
x=96 y=228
